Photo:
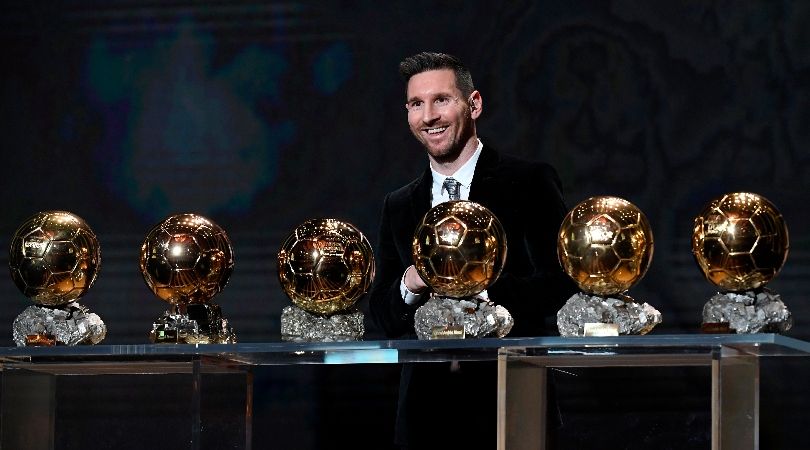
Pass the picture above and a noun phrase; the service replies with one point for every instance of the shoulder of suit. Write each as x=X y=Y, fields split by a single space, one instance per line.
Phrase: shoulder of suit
x=405 y=192
x=518 y=165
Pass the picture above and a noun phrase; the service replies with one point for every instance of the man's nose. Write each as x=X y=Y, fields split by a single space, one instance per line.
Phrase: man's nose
x=430 y=113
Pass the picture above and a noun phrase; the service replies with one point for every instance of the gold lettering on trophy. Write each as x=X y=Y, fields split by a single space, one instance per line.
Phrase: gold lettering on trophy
x=716 y=225
x=447 y=332
x=40 y=340
x=601 y=329
x=330 y=247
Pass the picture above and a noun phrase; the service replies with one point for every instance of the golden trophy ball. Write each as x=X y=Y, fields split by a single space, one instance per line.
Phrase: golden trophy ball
x=324 y=267
x=605 y=245
x=740 y=243
x=54 y=258
x=459 y=249
x=186 y=260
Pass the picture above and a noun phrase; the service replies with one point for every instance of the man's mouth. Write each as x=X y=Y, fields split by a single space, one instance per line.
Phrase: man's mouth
x=436 y=130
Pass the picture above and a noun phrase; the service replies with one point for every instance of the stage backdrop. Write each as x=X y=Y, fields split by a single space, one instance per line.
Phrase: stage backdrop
x=260 y=115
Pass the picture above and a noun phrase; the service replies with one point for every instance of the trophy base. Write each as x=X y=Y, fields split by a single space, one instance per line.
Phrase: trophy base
x=454 y=318
x=71 y=324
x=758 y=311
x=195 y=323
x=298 y=325
x=582 y=311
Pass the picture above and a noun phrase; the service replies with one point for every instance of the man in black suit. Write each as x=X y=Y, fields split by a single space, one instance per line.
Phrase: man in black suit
x=444 y=406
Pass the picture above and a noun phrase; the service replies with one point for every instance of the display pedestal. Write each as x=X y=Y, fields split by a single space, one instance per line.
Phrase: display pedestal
x=196 y=404
x=522 y=377
x=206 y=400
x=735 y=400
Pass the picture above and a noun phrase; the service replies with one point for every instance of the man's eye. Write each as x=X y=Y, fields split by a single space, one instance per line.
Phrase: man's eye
x=441 y=101
x=415 y=104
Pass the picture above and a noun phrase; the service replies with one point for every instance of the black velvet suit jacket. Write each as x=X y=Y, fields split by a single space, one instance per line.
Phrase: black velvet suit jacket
x=526 y=197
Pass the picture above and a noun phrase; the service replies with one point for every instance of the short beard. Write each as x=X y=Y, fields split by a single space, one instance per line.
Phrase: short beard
x=447 y=157
x=455 y=151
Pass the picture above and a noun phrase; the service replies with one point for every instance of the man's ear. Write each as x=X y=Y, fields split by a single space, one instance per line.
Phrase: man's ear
x=476 y=104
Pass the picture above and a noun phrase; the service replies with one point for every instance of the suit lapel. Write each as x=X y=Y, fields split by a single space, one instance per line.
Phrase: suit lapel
x=484 y=187
x=420 y=196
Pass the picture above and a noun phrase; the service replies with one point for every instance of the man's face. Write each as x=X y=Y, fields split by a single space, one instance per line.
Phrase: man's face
x=438 y=114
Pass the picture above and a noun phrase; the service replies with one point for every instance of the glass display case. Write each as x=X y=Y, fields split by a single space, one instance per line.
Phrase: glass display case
x=31 y=379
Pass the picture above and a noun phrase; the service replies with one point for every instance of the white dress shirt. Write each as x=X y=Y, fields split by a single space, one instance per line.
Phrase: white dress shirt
x=439 y=194
x=463 y=175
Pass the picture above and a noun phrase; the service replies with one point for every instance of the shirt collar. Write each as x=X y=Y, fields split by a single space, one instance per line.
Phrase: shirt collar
x=464 y=174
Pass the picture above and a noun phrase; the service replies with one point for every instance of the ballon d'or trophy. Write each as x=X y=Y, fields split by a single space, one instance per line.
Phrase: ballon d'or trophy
x=186 y=260
x=459 y=250
x=324 y=266
x=54 y=259
x=740 y=243
x=605 y=245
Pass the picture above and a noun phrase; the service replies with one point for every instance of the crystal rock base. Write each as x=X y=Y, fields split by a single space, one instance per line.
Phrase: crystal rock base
x=760 y=311
x=71 y=324
x=298 y=325
x=192 y=324
x=478 y=317
x=631 y=317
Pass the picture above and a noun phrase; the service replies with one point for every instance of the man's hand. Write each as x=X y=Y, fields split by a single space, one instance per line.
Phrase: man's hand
x=413 y=281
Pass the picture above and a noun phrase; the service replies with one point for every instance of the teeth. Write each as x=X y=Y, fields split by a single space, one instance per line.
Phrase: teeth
x=436 y=130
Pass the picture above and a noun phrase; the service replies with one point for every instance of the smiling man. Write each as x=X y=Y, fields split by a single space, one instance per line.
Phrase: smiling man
x=441 y=113
x=444 y=405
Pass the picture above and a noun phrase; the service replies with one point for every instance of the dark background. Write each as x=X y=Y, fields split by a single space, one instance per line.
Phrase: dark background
x=262 y=115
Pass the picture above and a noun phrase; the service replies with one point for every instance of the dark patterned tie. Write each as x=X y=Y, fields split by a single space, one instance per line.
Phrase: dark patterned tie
x=453 y=188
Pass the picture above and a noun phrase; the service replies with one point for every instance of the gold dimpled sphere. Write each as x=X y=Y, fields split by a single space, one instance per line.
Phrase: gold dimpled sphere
x=605 y=245
x=740 y=241
x=325 y=266
x=186 y=259
x=54 y=257
x=459 y=248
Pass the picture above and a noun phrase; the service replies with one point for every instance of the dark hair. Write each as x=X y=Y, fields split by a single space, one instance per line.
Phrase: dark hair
x=422 y=62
